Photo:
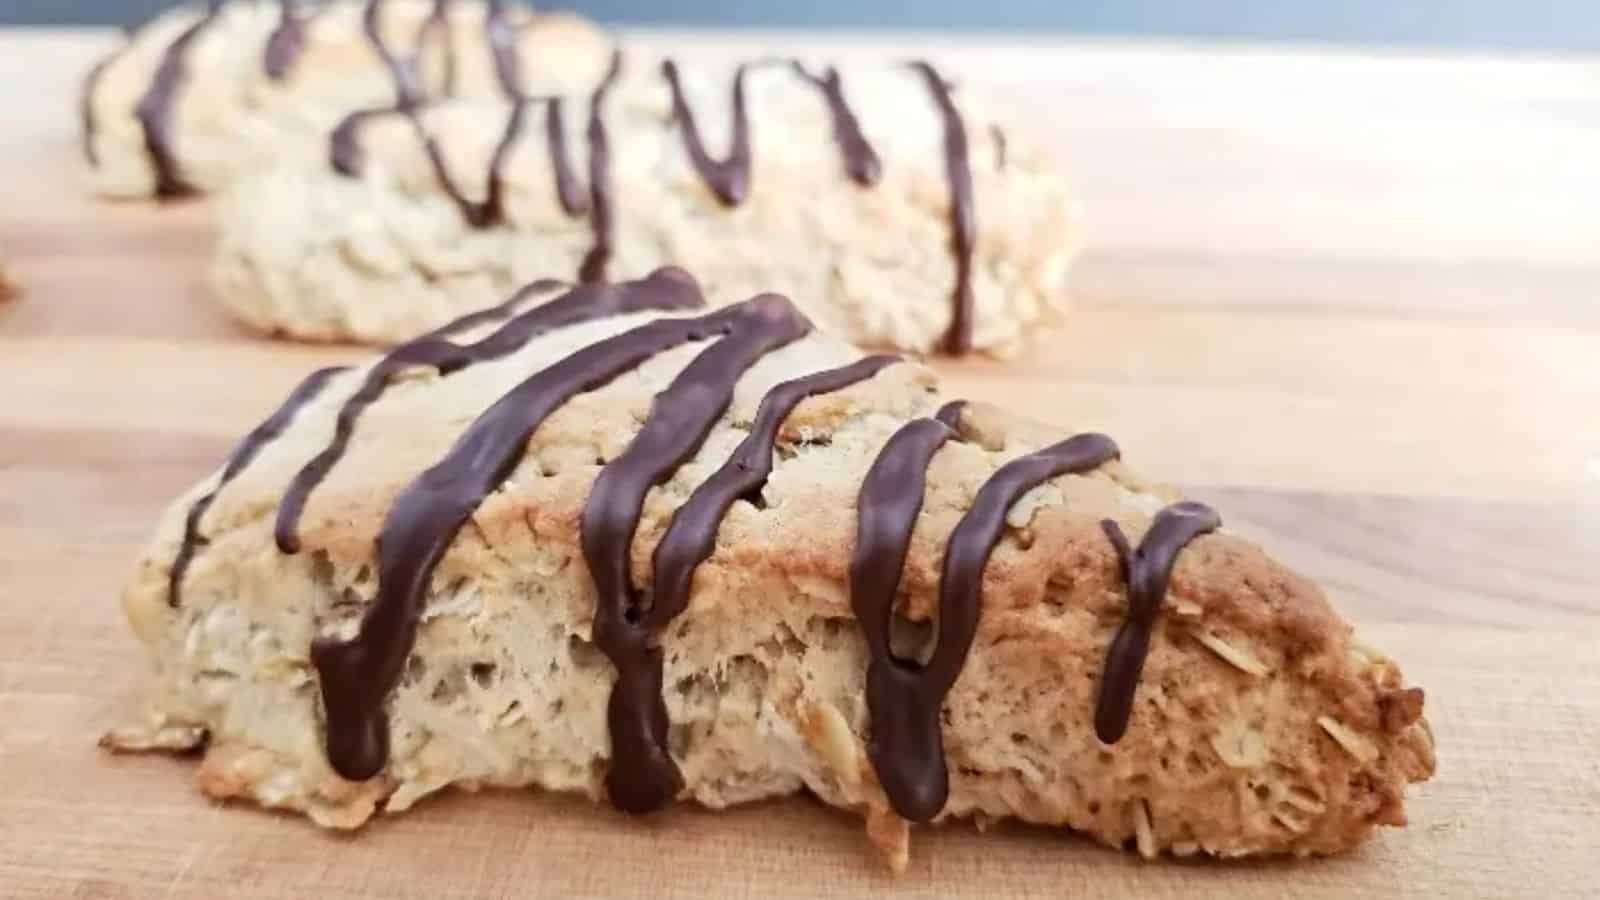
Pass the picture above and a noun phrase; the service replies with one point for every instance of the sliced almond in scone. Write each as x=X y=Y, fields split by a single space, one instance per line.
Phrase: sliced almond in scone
x=619 y=545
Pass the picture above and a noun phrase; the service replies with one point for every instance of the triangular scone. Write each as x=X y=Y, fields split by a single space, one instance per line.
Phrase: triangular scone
x=209 y=92
x=280 y=599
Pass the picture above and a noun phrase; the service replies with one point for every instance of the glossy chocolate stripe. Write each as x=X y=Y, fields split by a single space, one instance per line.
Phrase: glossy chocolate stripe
x=1146 y=571
x=887 y=509
x=242 y=455
x=357 y=675
x=728 y=178
x=860 y=160
x=659 y=291
x=601 y=213
x=643 y=776
x=155 y=106
x=692 y=534
x=406 y=71
x=963 y=224
x=285 y=43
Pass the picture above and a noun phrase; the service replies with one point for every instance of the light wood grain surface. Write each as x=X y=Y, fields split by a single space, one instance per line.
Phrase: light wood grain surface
x=1353 y=300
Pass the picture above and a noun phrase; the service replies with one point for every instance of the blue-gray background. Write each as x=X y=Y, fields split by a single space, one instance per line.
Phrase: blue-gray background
x=1490 y=24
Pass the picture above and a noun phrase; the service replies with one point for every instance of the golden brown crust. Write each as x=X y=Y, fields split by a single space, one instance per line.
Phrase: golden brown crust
x=1259 y=726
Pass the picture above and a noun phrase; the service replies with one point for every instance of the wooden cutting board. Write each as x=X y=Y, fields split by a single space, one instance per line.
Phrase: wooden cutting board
x=1349 y=299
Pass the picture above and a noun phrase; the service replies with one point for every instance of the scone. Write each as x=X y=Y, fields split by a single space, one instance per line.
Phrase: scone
x=601 y=540
x=200 y=97
x=884 y=199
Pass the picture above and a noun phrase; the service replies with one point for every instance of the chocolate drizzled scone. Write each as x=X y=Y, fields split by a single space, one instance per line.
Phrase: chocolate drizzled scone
x=202 y=96
x=883 y=198
x=603 y=540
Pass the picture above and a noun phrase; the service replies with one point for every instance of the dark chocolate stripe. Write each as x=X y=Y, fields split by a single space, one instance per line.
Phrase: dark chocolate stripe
x=600 y=208
x=963 y=225
x=1000 y=154
x=502 y=38
x=574 y=202
x=905 y=697
x=357 y=675
x=728 y=178
x=661 y=291
x=344 y=143
x=406 y=71
x=155 y=106
x=643 y=776
x=886 y=513
x=1146 y=571
x=860 y=160
x=286 y=41
x=503 y=48
x=241 y=456
x=692 y=535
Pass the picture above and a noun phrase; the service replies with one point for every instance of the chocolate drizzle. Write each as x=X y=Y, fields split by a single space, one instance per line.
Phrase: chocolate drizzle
x=406 y=71
x=963 y=220
x=600 y=202
x=904 y=697
x=285 y=43
x=905 y=693
x=643 y=776
x=241 y=457
x=434 y=350
x=692 y=534
x=1000 y=154
x=1146 y=571
x=344 y=148
x=860 y=160
x=728 y=178
x=502 y=38
x=905 y=751
x=155 y=106
x=357 y=675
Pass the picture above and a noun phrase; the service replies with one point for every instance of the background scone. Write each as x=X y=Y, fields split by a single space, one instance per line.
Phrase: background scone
x=637 y=550
x=883 y=198
x=201 y=96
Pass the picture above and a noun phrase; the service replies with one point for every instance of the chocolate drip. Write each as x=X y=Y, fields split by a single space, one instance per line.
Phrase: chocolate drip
x=643 y=776
x=357 y=675
x=344 y=144
x=860 y=160
x=573 y=200
x=434 y=350
x=1146 y=571
x=909 y=761
x=346 y=156
x=345 y=149
x=963 y=225
x=728 y=178
x=600 y=209
x=692 y=535
x=241 y=457
x=905 y=697
x=155 y=107
x=285 y=43
x=999 y=136
x=408 y=89
x=502 y=37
